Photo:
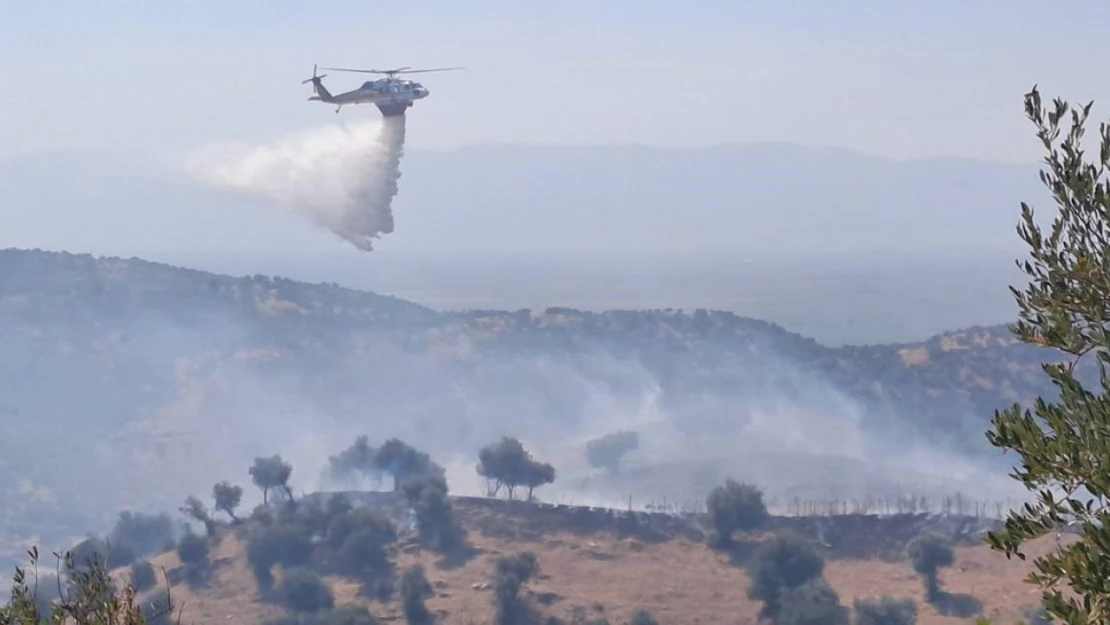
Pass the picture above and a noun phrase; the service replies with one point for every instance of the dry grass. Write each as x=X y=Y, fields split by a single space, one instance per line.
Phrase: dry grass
x=679 y=581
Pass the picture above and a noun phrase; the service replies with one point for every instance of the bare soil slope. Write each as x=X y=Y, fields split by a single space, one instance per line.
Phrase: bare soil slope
x=602 y=574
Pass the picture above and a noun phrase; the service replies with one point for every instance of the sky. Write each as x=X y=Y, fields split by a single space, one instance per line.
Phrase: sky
x=898 y=79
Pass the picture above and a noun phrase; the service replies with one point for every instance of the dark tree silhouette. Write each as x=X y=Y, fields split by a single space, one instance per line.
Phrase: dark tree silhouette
x=227 y=498
x=269 y=473
x=506 y=463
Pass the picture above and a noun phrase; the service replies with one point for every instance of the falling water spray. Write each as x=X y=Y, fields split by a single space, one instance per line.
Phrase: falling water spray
x=342 y=177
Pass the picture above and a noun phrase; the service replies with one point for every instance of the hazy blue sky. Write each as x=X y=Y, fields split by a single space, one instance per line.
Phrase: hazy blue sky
x=943 y=77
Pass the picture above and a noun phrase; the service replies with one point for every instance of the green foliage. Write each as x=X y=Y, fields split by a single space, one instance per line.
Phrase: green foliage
x=735 y=507
x=356 y=463
x=436 y=524
x=1064 y=447
x=512 y=572
x=195 y=509
x=193 y=550
x=269 y=473
x=284 y=543
x=607 y=451
x=929 y=553
x=643 y=617
x=404 y=462
x=812 y=603
x=415 y=590
x=360 y=536
x=110 y=553
x=302 y=590
x=227 y=498
x=142 y=576
x=506 y=463
x=91 y=598
x=781 y=564
x=885 y=611
x=145 y=534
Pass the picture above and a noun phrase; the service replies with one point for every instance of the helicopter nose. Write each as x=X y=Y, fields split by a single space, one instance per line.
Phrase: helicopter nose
x=421 y=92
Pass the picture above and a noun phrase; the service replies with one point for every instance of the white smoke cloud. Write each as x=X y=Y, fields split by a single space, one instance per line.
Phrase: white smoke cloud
x=342 y=177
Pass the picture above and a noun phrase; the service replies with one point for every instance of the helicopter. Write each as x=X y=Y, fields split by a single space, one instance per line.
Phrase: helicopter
x=391 y=95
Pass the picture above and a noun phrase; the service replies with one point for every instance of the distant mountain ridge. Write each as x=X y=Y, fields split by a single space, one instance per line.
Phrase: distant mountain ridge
x=127 y=383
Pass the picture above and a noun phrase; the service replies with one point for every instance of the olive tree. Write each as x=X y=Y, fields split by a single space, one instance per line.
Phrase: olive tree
x=1064 y=444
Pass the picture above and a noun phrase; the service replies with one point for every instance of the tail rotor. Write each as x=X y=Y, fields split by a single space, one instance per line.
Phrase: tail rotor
x=314 y=78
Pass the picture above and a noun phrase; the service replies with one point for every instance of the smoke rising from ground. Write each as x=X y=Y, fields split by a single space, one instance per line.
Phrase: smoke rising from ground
x=342 y=177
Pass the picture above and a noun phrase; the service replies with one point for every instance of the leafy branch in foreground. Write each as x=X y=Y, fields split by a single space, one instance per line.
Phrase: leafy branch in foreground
x=1064 y=446
x=87 y=597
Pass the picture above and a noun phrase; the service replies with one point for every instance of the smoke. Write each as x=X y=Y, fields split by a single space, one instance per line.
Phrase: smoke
x=343 y=177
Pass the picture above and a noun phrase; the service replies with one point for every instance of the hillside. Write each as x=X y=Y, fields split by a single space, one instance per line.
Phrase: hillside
x=598 y=564
x=128 y=384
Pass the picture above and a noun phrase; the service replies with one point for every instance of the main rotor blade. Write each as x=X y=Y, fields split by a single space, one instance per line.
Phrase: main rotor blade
x=418 y=71
x=363 y=71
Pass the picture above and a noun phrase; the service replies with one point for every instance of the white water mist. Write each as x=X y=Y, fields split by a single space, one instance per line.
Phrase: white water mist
x=343 y=177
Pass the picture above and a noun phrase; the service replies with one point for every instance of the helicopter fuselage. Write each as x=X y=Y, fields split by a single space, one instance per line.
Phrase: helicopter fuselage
x=390 y=95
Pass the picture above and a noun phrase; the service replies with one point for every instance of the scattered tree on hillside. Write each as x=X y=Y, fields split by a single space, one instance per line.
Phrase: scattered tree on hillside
x=269 y=473
x=415 y=591
x=885 y=611
x=812 y=603
x=779 y=565
x=360 y=538
x=399 y=459
x=512 y=573
x=194 y=509
x=146 y=534
x=302 y=590
x=94 y=551
x=608 y=451
x=929 y=553
x=506 y=463
x=193 y=551
x=227 y=498
x=735 y=507
x=142 y=576
x=1064 y=446
x=356 y=463
x=436 y=525
x=285 y=543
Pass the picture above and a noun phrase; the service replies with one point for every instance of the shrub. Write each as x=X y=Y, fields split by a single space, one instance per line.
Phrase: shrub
x=415 y=590
x=286 y=544
x=643 y=617
x=364 y=553
x=885 y=611
x=111 y=554
x=512 y=573
x=193 y=549
x=735 y=507
x=780 y=565
x=303 y=590
x=812 y=603
x=928 y=553
x=142 y=576
x=436 y=524
x=146 y=534
x=91 y=597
